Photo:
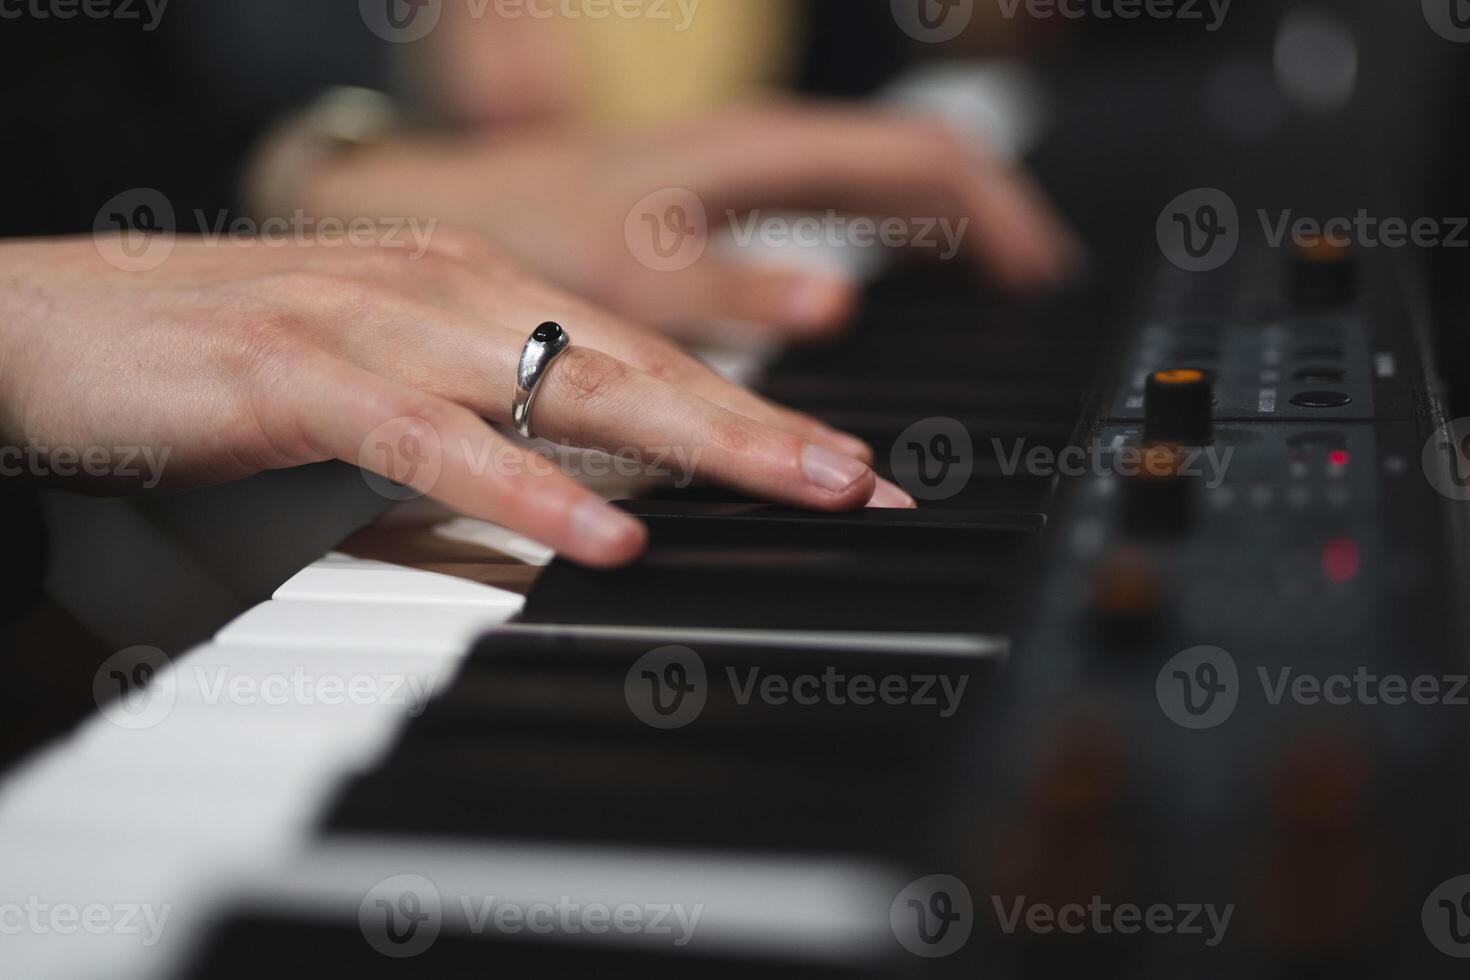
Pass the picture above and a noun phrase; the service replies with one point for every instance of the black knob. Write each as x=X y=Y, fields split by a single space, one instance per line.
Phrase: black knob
x=1324 y=272
x=1179 y=407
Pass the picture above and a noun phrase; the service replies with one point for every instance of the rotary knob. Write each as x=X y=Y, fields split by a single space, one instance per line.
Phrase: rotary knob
x=1324 y=271
x=1179 y=407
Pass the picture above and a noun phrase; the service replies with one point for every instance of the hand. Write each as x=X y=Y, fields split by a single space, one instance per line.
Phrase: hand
x=560 y=201
x=238 y=358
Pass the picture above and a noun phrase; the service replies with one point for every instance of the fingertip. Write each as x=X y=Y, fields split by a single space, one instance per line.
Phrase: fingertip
x=602 y=536
x=887 y=496
x=815 y=304
x=838 y=482
x=857 y=496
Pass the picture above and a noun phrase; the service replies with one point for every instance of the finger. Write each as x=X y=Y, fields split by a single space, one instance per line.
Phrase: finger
x=1021 y=237
x=889 y=497
x=879 y=163
x=442 y=450
x=593 y=400
x=493 y=350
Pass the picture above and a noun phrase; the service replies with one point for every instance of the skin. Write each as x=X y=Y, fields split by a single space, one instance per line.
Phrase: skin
x=559 y=197
x=245 y=357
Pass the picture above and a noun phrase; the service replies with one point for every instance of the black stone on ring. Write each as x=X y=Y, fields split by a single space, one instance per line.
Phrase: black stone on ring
x=547 y=342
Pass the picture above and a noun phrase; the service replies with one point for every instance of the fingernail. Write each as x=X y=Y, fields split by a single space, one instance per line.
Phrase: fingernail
x=831 y=471
x=603 y=526
x=890 y=497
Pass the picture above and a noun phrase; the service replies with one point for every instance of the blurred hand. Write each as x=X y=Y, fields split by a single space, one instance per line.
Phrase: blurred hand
x=560 y=200
x=238 y=358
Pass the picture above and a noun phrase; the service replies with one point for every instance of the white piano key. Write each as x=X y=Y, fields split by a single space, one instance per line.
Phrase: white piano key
x=343 y=578
x=813 y=908
x=467 y=530
x=201 y=739
x=254 y=810
x=423 y=627
x=290 y=681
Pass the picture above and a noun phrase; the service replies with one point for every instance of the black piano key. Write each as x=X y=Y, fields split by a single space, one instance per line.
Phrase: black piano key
x=781 y=590
x=259 y=944
x=1018 y=492
x=667 y=795
x=542 y=728
x=674 y=523
x=532 y=679
x=740 y=567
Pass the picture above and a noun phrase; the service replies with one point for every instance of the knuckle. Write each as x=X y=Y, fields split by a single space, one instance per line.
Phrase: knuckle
x=270 y=346
x=587 y=376
x=669 y=365
x=461 y=244
x=734 y=434
x=420 y=420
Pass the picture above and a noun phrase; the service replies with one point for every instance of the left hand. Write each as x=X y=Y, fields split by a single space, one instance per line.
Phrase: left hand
x=561 y=199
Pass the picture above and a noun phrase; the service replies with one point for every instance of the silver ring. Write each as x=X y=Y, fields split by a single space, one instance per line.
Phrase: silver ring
x=547 y=343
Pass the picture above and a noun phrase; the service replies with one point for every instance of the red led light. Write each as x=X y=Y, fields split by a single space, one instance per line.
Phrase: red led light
x=1338 y=458
x=1342 y=559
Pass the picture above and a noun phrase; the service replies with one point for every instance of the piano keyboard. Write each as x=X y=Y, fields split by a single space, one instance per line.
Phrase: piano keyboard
x=370 y=721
